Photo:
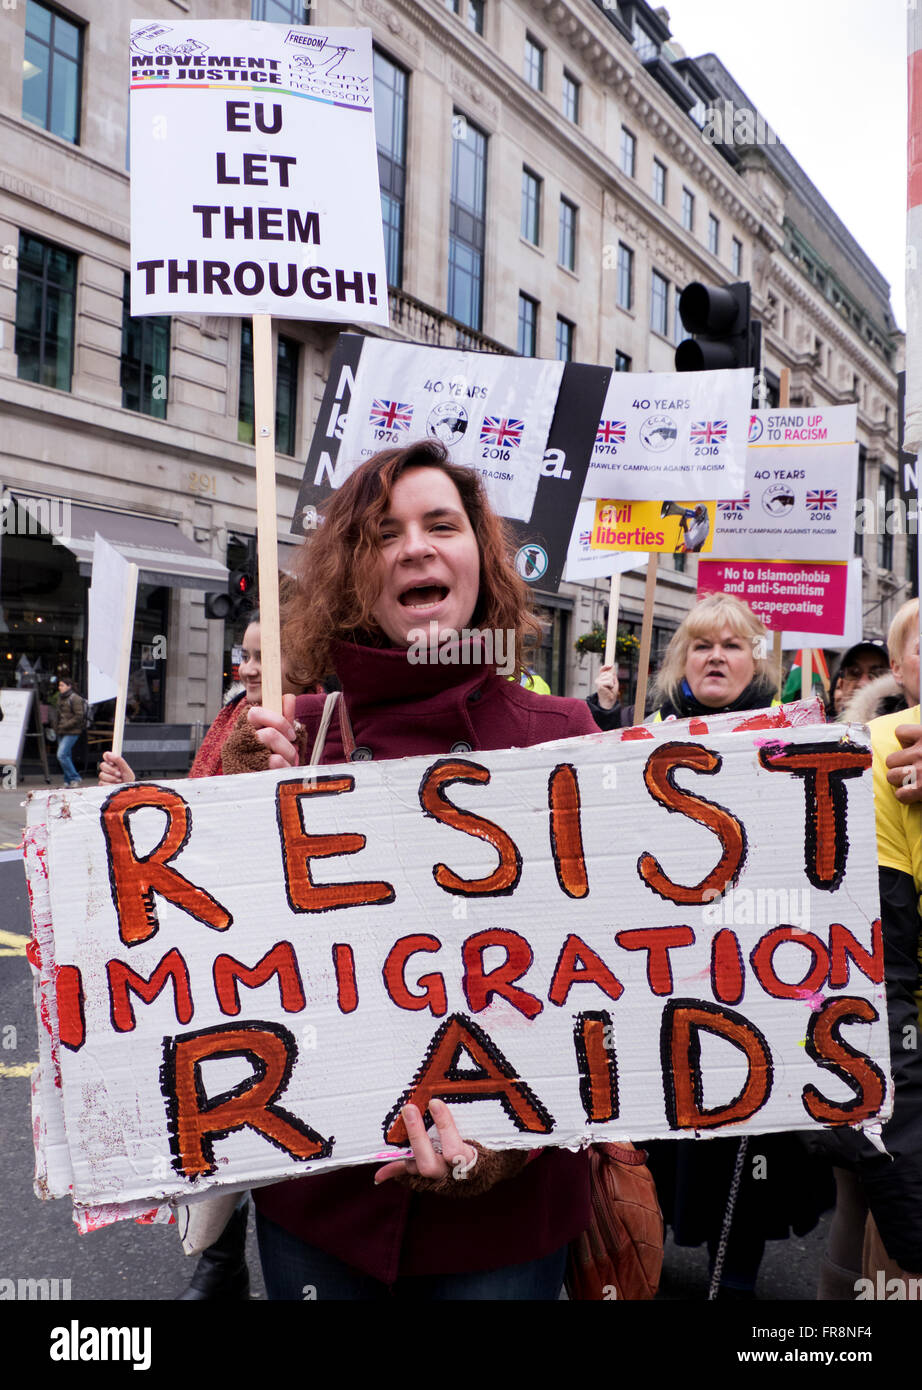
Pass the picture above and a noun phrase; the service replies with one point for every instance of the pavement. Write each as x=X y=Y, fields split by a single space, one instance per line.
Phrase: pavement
x=13 y=807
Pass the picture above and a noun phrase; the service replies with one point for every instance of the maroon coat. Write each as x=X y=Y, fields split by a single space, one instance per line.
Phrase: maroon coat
x=398 y=710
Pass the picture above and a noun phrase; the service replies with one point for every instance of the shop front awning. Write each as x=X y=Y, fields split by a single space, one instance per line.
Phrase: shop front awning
x=161 y=552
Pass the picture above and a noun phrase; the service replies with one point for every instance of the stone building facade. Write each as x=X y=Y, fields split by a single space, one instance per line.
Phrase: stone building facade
x=552 y=177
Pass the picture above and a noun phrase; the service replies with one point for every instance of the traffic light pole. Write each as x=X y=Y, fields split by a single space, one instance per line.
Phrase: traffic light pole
x=266 y=521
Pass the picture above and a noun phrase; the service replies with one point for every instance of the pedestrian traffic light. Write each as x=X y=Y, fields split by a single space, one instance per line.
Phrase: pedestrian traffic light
x=723 y=335
x=235 y=602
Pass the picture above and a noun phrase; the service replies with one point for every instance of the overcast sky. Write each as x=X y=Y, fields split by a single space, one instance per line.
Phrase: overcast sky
x=829 y=76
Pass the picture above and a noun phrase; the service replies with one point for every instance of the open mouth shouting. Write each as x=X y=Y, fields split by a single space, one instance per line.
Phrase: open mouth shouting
x=423 y=598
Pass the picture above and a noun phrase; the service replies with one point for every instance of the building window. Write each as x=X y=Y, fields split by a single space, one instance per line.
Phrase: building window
x=282 y=11
x=45 y=295
x=622 y=362
x=391 y=133
x=564 y=339
x=51 y=72
x=862 y=485
x=286 y=391
x=659 y=182
x=570 y=97
x=528 y=326
x=628 y=152
x=566 y=241
x=688 y=210
x=475 y=16
x=625 y=276
x=886 y=494
x=145 y=367
x=659 y=303
x=713 y=234
x=736 y=256
x=454 y=6
x=534 y=63
x=467 y=225
x=645 y=45
x=531 y=207
x=549 y=658
x=912 y=562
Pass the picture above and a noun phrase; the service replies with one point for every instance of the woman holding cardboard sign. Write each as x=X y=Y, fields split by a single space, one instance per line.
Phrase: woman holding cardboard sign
x=717 y=662
x=410 y=544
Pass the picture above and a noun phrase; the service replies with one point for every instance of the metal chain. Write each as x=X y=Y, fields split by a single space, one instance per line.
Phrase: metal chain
x=728 y=1218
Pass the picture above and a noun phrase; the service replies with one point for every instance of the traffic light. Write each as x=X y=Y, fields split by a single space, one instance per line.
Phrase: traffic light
x=723 y=332
x=236 y=601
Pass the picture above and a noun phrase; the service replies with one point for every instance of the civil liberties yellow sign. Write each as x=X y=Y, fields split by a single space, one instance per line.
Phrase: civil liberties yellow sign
x=683 y=528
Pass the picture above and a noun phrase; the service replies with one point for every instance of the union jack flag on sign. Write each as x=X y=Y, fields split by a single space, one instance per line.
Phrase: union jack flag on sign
x=708 y=431
x=390 y=415
x=739 y=504
x=502 y=432
x=611 y=432
x=585 y=537
x=825 y=500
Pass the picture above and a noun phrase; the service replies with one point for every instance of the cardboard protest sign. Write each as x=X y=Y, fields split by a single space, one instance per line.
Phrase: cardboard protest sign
x=254 y=173
x=799 y=497
x=668 y=433
x=492 y=412
x=557 y=475
x=852 y=625
x=685 y=527
x=242 y=980
x=780 y=592
x=112 y=593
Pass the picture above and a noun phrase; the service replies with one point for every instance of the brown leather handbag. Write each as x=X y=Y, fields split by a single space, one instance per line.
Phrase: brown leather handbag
x=621 y=1254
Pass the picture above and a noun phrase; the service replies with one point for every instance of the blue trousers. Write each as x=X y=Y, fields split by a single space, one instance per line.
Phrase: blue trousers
x=296 y=1271
x=65 y=744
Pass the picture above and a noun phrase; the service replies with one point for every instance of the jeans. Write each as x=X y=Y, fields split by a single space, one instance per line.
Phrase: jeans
x=65 y=744
x=294 y=1270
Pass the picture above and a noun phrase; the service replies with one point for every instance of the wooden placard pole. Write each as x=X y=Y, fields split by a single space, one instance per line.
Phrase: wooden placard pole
x=266 y=518
x=646 y=639
x=611 y=636
x=778 y=662
x=124 y=660
x=806 y=673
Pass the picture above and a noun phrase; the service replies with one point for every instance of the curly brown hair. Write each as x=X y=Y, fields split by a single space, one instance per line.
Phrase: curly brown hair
x=336 y=587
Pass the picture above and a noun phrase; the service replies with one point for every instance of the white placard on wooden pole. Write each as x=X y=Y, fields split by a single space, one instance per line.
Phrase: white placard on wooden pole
x=611 y=636
x=266 y=518
x=646 y=639
x=124 y=664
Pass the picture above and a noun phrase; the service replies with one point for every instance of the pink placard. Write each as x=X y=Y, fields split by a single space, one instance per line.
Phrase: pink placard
x=810 y=598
